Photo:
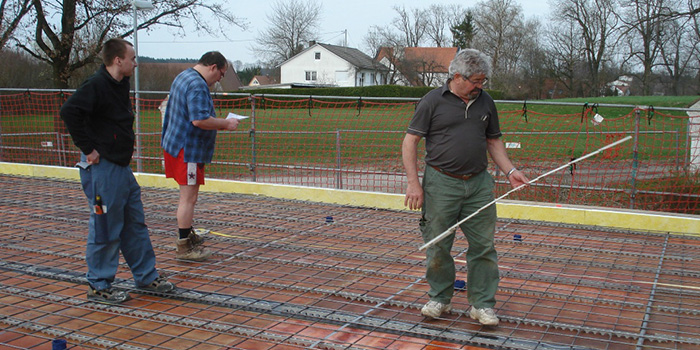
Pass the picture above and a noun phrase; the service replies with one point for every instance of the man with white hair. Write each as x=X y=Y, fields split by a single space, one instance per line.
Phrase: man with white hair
x=460 y=125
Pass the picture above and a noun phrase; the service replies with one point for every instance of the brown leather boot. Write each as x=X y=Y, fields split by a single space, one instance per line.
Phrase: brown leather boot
x=188 y=249
x=196 y=239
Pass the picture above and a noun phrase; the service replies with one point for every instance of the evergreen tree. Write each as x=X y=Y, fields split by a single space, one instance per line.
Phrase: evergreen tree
x=463 y=32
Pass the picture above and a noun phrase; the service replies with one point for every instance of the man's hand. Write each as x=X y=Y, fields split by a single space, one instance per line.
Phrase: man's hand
x=517 y=178
x=93 y=157
x=414 y=196
x=231 y=124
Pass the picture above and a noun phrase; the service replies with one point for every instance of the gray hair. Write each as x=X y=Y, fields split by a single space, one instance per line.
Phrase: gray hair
x=468 y=62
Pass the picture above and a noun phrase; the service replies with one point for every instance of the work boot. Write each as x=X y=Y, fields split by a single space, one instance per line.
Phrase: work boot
x=196 y=239
x=189 y=249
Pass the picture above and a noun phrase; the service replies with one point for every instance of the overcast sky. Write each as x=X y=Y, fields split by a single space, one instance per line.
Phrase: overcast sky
x=355 y=16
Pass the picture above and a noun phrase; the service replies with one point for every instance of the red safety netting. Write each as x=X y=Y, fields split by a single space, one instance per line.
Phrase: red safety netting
x=356 y=145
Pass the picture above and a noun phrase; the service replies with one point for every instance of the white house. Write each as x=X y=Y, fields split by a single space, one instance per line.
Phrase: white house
x=621 y=86
x=331 y=65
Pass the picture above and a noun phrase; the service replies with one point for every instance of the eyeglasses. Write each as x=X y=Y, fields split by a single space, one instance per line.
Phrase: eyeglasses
x=482 y=82
x=223 y=73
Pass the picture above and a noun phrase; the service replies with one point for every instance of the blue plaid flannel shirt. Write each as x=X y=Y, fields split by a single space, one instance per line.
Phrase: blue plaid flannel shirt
x=189 y=100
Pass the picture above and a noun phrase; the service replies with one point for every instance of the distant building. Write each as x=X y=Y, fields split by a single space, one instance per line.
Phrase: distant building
x=331 y=65
x=259 y=80
x=621 y=86
x=417 y=66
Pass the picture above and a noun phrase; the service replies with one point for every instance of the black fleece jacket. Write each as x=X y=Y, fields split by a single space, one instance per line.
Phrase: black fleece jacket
x=99 y=117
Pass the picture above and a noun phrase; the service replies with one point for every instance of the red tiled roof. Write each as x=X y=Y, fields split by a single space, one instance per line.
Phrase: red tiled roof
x=436 y=59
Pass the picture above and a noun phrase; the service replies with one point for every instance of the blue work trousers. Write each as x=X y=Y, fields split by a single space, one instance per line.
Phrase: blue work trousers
x=117 y=224
x=448 y=200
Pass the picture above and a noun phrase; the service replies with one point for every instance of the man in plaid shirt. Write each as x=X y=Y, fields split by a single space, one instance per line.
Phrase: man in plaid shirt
x=188 y=137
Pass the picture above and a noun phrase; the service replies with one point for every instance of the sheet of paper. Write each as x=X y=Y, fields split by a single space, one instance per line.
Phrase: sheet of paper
x=236 y=116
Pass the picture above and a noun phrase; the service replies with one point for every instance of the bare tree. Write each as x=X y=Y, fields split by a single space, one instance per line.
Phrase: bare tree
x=678 y=49
x=597 y=23
x=439 y=21
x=565 y=59
x=19 y=70
x=292 y=24
x=695 y=20
x=407 y=29
x=643 y=25
x=501 y=32
x=531 y=66
x=85 y=25
x=11 y=14
x=411 y=25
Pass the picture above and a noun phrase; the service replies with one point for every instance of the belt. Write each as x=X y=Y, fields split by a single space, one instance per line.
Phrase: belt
x=456 y=176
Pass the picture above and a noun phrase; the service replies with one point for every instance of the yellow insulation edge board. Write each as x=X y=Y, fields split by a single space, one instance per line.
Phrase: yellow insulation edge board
x=567 y=214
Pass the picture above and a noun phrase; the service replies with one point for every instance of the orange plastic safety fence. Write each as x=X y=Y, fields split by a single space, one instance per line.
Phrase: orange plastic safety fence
x=356 y=145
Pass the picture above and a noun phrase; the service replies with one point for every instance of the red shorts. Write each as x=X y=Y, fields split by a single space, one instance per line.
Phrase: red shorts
x=183 y=173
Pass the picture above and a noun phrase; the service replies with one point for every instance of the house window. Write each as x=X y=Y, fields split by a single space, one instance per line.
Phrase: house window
x=310 y=75
x=317 y=55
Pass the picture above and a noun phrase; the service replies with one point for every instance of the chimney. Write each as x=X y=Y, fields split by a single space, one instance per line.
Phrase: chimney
x=312 y=43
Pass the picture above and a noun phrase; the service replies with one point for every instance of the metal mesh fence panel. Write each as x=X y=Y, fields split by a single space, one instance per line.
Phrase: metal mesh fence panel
x=355 y=144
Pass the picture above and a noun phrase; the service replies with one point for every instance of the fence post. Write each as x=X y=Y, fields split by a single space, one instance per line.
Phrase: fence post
x=253 y=155
x=635 y=156
x=139 y=152
x=338 y=165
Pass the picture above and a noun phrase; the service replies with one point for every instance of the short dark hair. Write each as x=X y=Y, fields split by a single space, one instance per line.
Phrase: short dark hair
x=114 y=48
x=213 y=57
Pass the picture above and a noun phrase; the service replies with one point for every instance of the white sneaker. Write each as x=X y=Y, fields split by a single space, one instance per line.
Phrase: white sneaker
x=434 y=309
x=485 y=316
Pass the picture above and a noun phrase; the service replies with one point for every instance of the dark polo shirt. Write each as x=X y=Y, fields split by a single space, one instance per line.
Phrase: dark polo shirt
x=455 y=133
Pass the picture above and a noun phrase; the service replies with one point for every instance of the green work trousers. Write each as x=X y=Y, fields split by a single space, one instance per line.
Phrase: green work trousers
x=448 y=200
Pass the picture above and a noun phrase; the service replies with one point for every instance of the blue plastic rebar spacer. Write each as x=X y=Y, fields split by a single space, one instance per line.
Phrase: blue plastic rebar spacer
x=59 y=344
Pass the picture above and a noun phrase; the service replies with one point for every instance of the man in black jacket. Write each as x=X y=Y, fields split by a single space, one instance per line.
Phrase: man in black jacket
x=100 y=120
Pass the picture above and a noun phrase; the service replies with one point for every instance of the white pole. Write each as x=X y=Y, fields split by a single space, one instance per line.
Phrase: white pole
x=453 y=228
x=138 y=5
x=139 y=166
